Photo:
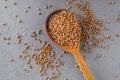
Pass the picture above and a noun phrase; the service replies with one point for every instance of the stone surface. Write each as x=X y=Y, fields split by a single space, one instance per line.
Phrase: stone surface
x=101 y=68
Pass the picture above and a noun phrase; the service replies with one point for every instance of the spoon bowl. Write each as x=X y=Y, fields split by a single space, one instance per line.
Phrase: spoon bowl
x=66 y=48
x=74 y=50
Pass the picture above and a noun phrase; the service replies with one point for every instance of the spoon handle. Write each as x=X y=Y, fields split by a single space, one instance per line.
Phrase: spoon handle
x=84 y=69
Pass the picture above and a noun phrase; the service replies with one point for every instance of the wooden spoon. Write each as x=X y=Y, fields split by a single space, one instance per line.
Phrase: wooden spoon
x=75 y=51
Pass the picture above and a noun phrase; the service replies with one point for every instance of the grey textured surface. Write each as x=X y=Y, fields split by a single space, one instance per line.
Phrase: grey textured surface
x=101 y=68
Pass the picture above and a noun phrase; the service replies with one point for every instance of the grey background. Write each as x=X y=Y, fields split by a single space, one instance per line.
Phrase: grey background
x=101 y=68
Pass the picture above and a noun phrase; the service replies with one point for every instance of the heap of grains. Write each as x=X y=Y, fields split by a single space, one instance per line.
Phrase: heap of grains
x=46 y=60
x=91 y=29
x=64 y=28
x=43 y=56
